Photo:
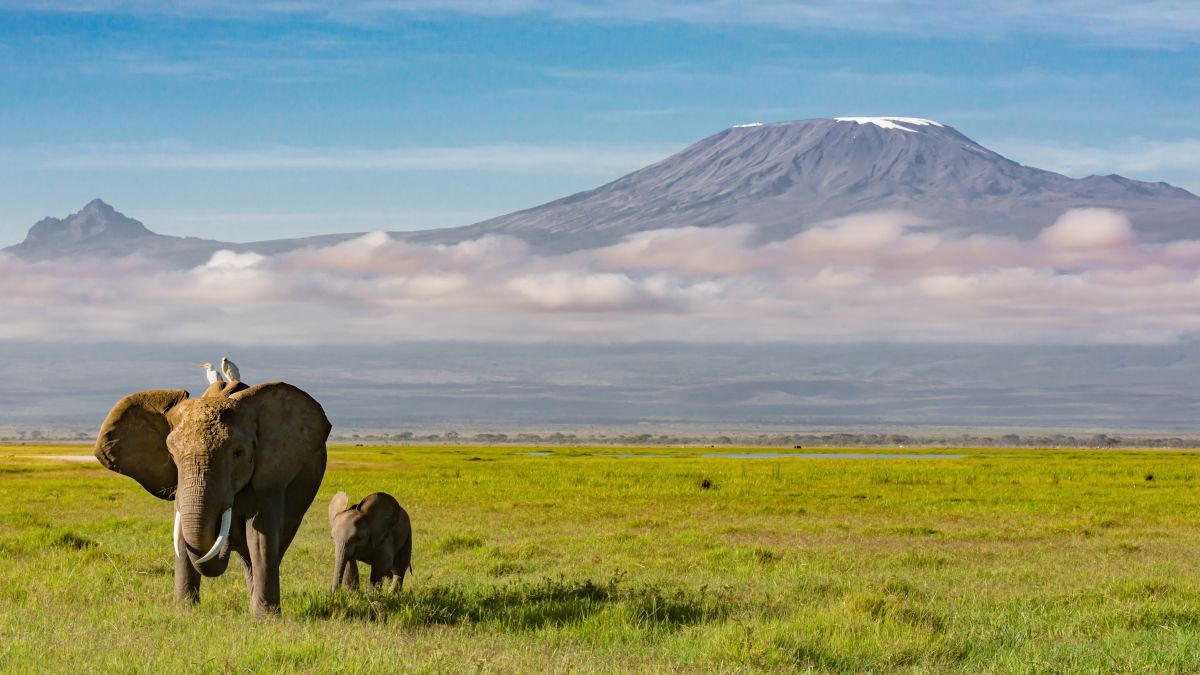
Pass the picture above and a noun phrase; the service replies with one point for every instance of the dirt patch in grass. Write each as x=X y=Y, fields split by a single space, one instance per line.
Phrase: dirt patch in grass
x=74 y=459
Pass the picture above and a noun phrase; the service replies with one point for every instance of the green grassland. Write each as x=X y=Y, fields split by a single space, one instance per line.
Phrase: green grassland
x=1002 y=561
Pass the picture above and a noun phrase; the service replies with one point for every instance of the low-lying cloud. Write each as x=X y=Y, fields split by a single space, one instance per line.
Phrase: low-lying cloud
x=508 y=158
x=1086 y=278
x=1147 y=22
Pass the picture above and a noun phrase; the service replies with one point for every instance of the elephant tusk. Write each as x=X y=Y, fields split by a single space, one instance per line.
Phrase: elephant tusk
x=220 y=542
x=177 y=537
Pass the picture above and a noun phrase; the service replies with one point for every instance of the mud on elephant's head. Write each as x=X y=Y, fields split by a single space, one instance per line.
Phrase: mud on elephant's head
x=203 y=452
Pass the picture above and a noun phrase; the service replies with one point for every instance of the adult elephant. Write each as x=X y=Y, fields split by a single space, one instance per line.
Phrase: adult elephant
x=242 y=464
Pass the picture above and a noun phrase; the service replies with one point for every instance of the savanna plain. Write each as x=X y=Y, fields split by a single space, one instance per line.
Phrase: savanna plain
x=594 y=559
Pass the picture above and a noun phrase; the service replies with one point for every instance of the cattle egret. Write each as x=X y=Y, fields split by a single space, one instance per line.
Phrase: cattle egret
x=230 y=369
x=213 y=376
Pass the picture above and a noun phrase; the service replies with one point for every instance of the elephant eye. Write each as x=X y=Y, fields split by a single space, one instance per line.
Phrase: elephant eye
x=239 y=452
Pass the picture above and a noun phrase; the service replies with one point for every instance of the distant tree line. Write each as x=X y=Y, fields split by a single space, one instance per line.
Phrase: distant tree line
x=796 y=440
x=40 y=436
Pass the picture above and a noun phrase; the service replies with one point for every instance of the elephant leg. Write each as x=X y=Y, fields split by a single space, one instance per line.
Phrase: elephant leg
x=248 y=568
x=350 y=576
x=381 y=566
x=298 y=497
x=237 y=536
x=187 y=581
x=262 y=540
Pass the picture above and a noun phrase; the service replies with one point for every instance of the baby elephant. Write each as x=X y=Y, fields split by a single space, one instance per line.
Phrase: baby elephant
x=375 y=531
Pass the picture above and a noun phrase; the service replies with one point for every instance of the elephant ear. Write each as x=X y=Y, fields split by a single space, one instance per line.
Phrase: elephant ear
x=338 y=504
x=290 y=427
x=133 y=440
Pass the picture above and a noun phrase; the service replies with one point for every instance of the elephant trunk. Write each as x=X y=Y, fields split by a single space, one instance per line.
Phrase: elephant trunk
x=209 y=541
x=339 y=565
x=199 y=530
x=222 y=537
x=204 y=529
x=218 y=544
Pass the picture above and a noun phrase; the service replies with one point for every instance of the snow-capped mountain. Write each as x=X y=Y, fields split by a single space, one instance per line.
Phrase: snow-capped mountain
x=788 y=176
x=783 y=177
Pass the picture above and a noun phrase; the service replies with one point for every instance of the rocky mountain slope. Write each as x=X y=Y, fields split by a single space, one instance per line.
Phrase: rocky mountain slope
x=788 y=176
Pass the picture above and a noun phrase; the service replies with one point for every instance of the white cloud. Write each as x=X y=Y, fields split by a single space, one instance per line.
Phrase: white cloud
x=514 y=157
x=1143 y=23
x=229 y=260
x=1086 y=278
x=583 y=291
x=685 y=249
x=1088 y=230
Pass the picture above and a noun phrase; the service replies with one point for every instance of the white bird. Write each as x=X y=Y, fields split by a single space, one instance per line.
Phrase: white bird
x=213 y=376
x=230 y=369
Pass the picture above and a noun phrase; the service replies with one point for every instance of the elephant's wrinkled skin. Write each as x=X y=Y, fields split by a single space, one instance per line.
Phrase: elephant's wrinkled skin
x=257 y=452
x=375 y=531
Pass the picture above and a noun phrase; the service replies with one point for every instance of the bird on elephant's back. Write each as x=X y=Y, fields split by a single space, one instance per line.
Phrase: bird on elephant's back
x=242 y=465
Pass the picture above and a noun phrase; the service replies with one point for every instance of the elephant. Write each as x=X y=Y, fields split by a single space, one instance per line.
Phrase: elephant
x=242 y=464
x=375 y=531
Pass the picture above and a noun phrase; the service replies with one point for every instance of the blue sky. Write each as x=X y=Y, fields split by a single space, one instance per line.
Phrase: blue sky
x=289 y=118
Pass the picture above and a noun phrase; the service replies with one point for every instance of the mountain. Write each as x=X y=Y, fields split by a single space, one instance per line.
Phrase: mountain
x=783 y=177
x=788 y=176
x=98 y=231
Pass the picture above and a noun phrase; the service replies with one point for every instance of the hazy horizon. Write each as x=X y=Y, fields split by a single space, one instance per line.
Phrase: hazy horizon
x=707 y=389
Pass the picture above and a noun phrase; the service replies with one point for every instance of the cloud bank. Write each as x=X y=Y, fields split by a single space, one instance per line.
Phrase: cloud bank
x=1086 y=278
x=513 y=157
x=1142 y=23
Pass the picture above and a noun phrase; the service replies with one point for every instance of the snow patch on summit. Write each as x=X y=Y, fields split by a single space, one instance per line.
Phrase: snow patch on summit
x=891 y=122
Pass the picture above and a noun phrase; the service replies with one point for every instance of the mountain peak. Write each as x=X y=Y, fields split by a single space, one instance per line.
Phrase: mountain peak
x=898 y=123
x=98 y=206
x=95 y=225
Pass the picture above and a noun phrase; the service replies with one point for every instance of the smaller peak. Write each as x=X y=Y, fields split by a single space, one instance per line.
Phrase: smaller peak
x=97 y=207
x=94 y=222
x=897 y=123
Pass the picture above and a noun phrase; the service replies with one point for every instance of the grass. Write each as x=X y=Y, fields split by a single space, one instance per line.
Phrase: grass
x=1002 y=561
